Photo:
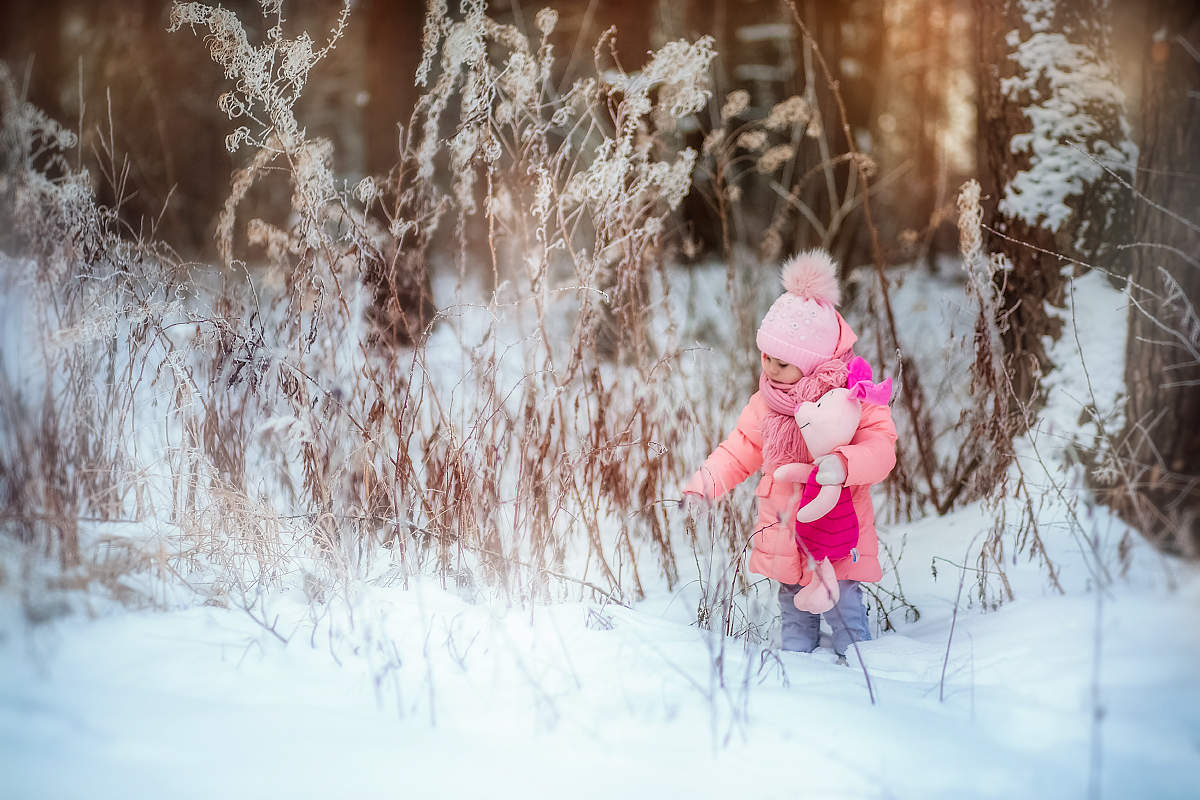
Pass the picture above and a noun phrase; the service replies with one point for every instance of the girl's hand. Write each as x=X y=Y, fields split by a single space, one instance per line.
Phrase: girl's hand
x=691 y=502
x=830 y=470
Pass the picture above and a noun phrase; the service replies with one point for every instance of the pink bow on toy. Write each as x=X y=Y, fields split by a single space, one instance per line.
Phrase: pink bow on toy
x=859 y=382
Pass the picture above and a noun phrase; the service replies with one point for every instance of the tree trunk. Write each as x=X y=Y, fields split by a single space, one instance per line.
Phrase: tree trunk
x=393 y=43
x=1049 y=112
x=1162 y=364
x=846 y=33
x=31 y=43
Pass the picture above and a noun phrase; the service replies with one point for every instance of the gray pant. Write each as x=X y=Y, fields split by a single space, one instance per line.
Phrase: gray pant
x=847 y=620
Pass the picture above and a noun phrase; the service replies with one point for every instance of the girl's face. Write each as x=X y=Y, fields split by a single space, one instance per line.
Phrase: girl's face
x=780 y=371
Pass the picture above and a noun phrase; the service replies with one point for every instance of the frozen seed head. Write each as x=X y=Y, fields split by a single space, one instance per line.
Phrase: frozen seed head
x=713 y=140
x=815 y=128
x=865 y=163
x=752 y=140
x=298 y=59
x=792 y=111
x=545 y=20
x=970 y=220
x=736 y=102
x=774 y=158
x=366 y=191
x=431 y=37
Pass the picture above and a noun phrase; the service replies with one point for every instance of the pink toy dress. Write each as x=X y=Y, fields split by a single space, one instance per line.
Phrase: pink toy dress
x=832 y=536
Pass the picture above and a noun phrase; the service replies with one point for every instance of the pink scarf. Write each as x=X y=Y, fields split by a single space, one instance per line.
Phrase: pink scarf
x=782 y=441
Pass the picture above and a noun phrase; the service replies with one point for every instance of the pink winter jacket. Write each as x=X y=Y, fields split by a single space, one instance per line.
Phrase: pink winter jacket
x=868 y=458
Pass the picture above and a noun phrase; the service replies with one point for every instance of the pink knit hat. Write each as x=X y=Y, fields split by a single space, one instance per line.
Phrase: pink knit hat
x=802 y=326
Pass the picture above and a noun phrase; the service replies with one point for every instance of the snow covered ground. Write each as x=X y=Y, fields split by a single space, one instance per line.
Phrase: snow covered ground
x=604 y=702
x=431 y=692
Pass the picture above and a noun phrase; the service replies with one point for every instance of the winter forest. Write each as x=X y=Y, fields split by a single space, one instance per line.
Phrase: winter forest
x=363 y=366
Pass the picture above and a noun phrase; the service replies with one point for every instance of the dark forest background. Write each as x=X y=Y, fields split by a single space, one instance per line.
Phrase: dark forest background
x=905 y=71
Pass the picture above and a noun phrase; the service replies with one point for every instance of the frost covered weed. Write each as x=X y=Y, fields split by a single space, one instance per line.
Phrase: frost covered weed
x=64 y=456
x=739 y=149
x=325 y=426
x=811 y=201
x=1020 y=470
x=991 y=422
x=311 y=427
x=987 y=427
x=324 y=423
x=269 y=79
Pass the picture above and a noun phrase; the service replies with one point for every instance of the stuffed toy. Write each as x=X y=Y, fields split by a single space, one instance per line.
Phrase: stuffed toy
x=826 y=524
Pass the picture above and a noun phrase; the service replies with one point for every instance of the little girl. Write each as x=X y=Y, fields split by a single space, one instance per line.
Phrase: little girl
x=806 y=347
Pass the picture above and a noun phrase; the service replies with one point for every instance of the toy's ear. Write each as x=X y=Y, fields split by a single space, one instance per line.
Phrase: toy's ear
x=857 y=370
x=858 y=381
x=878 y=393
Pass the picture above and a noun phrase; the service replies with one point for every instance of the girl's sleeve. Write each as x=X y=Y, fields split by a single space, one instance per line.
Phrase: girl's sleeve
x=734 y=460
x=871 y=454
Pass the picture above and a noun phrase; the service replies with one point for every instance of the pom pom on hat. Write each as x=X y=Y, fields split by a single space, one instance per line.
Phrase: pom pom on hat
x=813 y=276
